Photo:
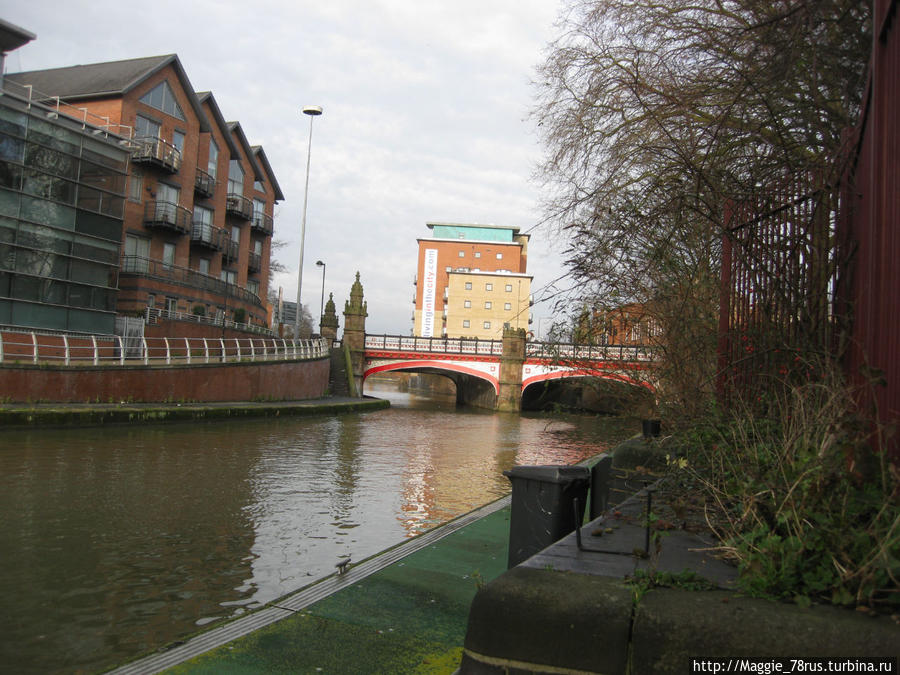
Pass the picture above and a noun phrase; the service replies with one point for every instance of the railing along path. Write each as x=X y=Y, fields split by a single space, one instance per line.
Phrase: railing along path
x=128 y=351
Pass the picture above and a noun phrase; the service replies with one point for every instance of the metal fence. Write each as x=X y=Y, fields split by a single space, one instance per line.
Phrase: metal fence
x=538 y=350
x=105 y=350
x=435 y=345
x=780 y=269
x=869 y=224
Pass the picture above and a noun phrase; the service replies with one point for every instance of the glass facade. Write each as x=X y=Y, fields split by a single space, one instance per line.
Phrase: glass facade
x=62 y=195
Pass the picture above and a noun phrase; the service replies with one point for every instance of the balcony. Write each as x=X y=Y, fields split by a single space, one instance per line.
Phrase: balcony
x=204 y=184
x=206 y=235
x=156 y=269
x=156 y=152
x=255 y=262
x=229 y=249
x=167 y=216
x=238 y=205
x=262 y=223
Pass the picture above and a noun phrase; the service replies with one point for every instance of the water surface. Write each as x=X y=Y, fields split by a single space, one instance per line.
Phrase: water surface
x=116 y=541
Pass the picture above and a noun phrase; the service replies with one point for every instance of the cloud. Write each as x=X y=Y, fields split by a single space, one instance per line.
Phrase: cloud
x=425 y=107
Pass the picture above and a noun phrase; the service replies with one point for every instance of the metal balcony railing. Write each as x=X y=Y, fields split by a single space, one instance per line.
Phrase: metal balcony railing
x=156 y=269
x=156 y=152
x=255 y=262
x=230 y=249
x=238 y=205
x=167 y=215
x=206 y=235
x=204 y=184
x=262 y=223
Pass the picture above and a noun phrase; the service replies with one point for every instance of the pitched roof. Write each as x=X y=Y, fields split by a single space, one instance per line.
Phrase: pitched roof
x=206 y=98
x=260 y=155
x=236 y=129
x=105 y=80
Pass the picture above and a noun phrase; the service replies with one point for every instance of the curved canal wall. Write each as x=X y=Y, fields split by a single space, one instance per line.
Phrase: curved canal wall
x=258 y=381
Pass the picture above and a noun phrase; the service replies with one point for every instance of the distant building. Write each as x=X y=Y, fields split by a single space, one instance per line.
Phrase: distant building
x=631 y=324
x=471 y=281
x=180 y=205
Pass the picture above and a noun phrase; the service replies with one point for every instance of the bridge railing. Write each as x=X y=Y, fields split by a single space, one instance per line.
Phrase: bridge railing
x=442 y=345
x=540 y=350
x=575 y=352
x=106 y=350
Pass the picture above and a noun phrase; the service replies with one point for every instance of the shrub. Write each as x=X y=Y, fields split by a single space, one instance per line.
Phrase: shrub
x=811 y=512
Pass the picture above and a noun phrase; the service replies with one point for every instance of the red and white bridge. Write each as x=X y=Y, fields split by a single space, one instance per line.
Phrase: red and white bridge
x=475 y=365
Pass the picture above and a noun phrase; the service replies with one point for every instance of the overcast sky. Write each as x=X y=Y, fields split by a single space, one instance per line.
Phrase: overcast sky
x=426 y=118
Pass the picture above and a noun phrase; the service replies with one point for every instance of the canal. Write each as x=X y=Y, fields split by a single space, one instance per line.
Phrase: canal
x=116 y=541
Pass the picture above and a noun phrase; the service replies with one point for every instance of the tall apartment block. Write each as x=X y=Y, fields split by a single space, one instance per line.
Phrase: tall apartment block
x=193 y=200
x=471 y=281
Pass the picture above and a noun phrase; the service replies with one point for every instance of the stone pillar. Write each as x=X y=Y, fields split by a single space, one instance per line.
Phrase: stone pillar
x=511 y=362
x=354 y=339
x=328 y=327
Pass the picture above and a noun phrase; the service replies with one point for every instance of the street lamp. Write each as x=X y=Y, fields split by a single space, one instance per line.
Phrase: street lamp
x=319 y=263
x=312 y=111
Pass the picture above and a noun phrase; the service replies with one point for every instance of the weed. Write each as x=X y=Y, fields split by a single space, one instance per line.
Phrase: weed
x=810 y=511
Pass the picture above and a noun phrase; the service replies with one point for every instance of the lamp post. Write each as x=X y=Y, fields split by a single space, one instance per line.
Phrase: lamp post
x=319 y=263
x=312 y=111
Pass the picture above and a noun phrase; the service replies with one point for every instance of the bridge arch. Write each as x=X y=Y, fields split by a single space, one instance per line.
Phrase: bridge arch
x=584 y=389
x=435 y=367
x=585 y=372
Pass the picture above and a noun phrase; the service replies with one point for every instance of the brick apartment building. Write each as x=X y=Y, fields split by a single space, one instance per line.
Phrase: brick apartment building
x=196 y=200
x=471 y=281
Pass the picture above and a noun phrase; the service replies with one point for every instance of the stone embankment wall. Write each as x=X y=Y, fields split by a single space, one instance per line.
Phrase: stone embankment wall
x=269 y=381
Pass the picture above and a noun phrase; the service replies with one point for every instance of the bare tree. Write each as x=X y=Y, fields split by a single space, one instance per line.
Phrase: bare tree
x=656 y=113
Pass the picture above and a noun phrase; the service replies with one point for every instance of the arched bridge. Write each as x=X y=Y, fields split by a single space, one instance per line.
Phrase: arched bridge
x=495 y=373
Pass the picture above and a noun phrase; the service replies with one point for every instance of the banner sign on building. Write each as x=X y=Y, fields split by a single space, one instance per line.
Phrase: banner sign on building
x=429 y=292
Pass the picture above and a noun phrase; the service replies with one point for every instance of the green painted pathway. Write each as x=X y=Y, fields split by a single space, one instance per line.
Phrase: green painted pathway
x=409 y=617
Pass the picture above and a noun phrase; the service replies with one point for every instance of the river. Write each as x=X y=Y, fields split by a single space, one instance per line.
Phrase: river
x=116 y=541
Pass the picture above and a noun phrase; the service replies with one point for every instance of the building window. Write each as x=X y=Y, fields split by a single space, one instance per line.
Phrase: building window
x=137 y=254
x=487 y=305
x=169 y=195
x=229 y=276
x=168 y=256
x=162 y=98
x=178 y=140
x=462 y=254
x=499 y=256
x=171 y=305
x=509 y=288
x=235 y=178
x=448 y=269
x=465 y=323
x=203 y=266
x=203 y=216
x=236 y=234
x=477 y=254
x=258 y=186
x=487 y=325
x=467 y=303
x=257 y=247
x=468 y=285
x=151 y=300
x=135 y=186
x=507 y=306
x=489 y=287
x=213 y=162
x=253 y=286
x=144 y=127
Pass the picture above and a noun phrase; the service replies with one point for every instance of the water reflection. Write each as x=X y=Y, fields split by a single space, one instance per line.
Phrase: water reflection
x=118 y=541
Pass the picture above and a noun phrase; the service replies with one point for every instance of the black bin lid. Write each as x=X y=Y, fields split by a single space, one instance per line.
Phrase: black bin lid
x=549 y=473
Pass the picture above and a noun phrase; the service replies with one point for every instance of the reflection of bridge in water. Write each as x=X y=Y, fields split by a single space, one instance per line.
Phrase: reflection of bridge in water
x=496 y=373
